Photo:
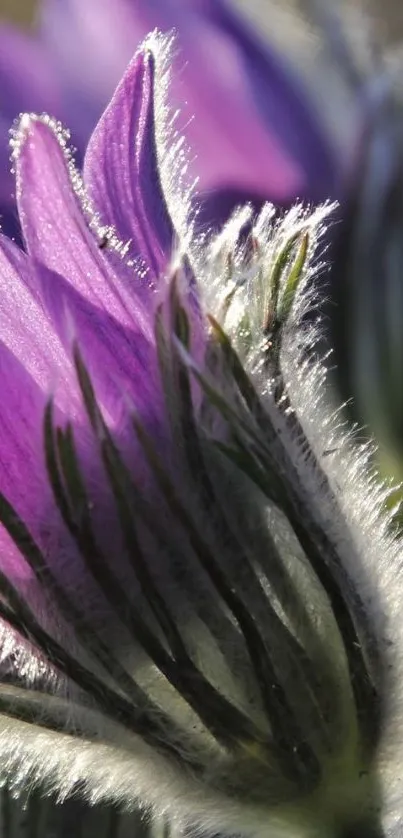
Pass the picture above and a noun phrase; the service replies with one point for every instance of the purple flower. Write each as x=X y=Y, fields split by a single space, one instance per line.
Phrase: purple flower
x=245 y=115
x=197 y=586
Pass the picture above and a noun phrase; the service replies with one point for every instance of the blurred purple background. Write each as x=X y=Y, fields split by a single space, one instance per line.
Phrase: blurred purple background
x=388 y=14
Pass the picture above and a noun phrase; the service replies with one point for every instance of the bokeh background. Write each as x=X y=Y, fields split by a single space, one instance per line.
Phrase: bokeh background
x=388 y=14
x=18 y=11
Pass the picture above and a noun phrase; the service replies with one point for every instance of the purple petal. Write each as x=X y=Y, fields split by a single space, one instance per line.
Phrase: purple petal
x=54 y=227
x=121 y=360
x=28 y=332
x=37 y=309
x=24 y=481
x=22 y=470
x=121 y=169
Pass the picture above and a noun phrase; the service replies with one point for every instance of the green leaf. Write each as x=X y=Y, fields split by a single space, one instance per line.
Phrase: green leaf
x=293 y=280
x=274 y=284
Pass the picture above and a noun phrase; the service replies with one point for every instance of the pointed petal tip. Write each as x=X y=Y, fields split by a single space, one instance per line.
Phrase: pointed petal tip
x=157 y=43
x=36 y=127
x=122 y=165
x=154 y=50
x=19 y=133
